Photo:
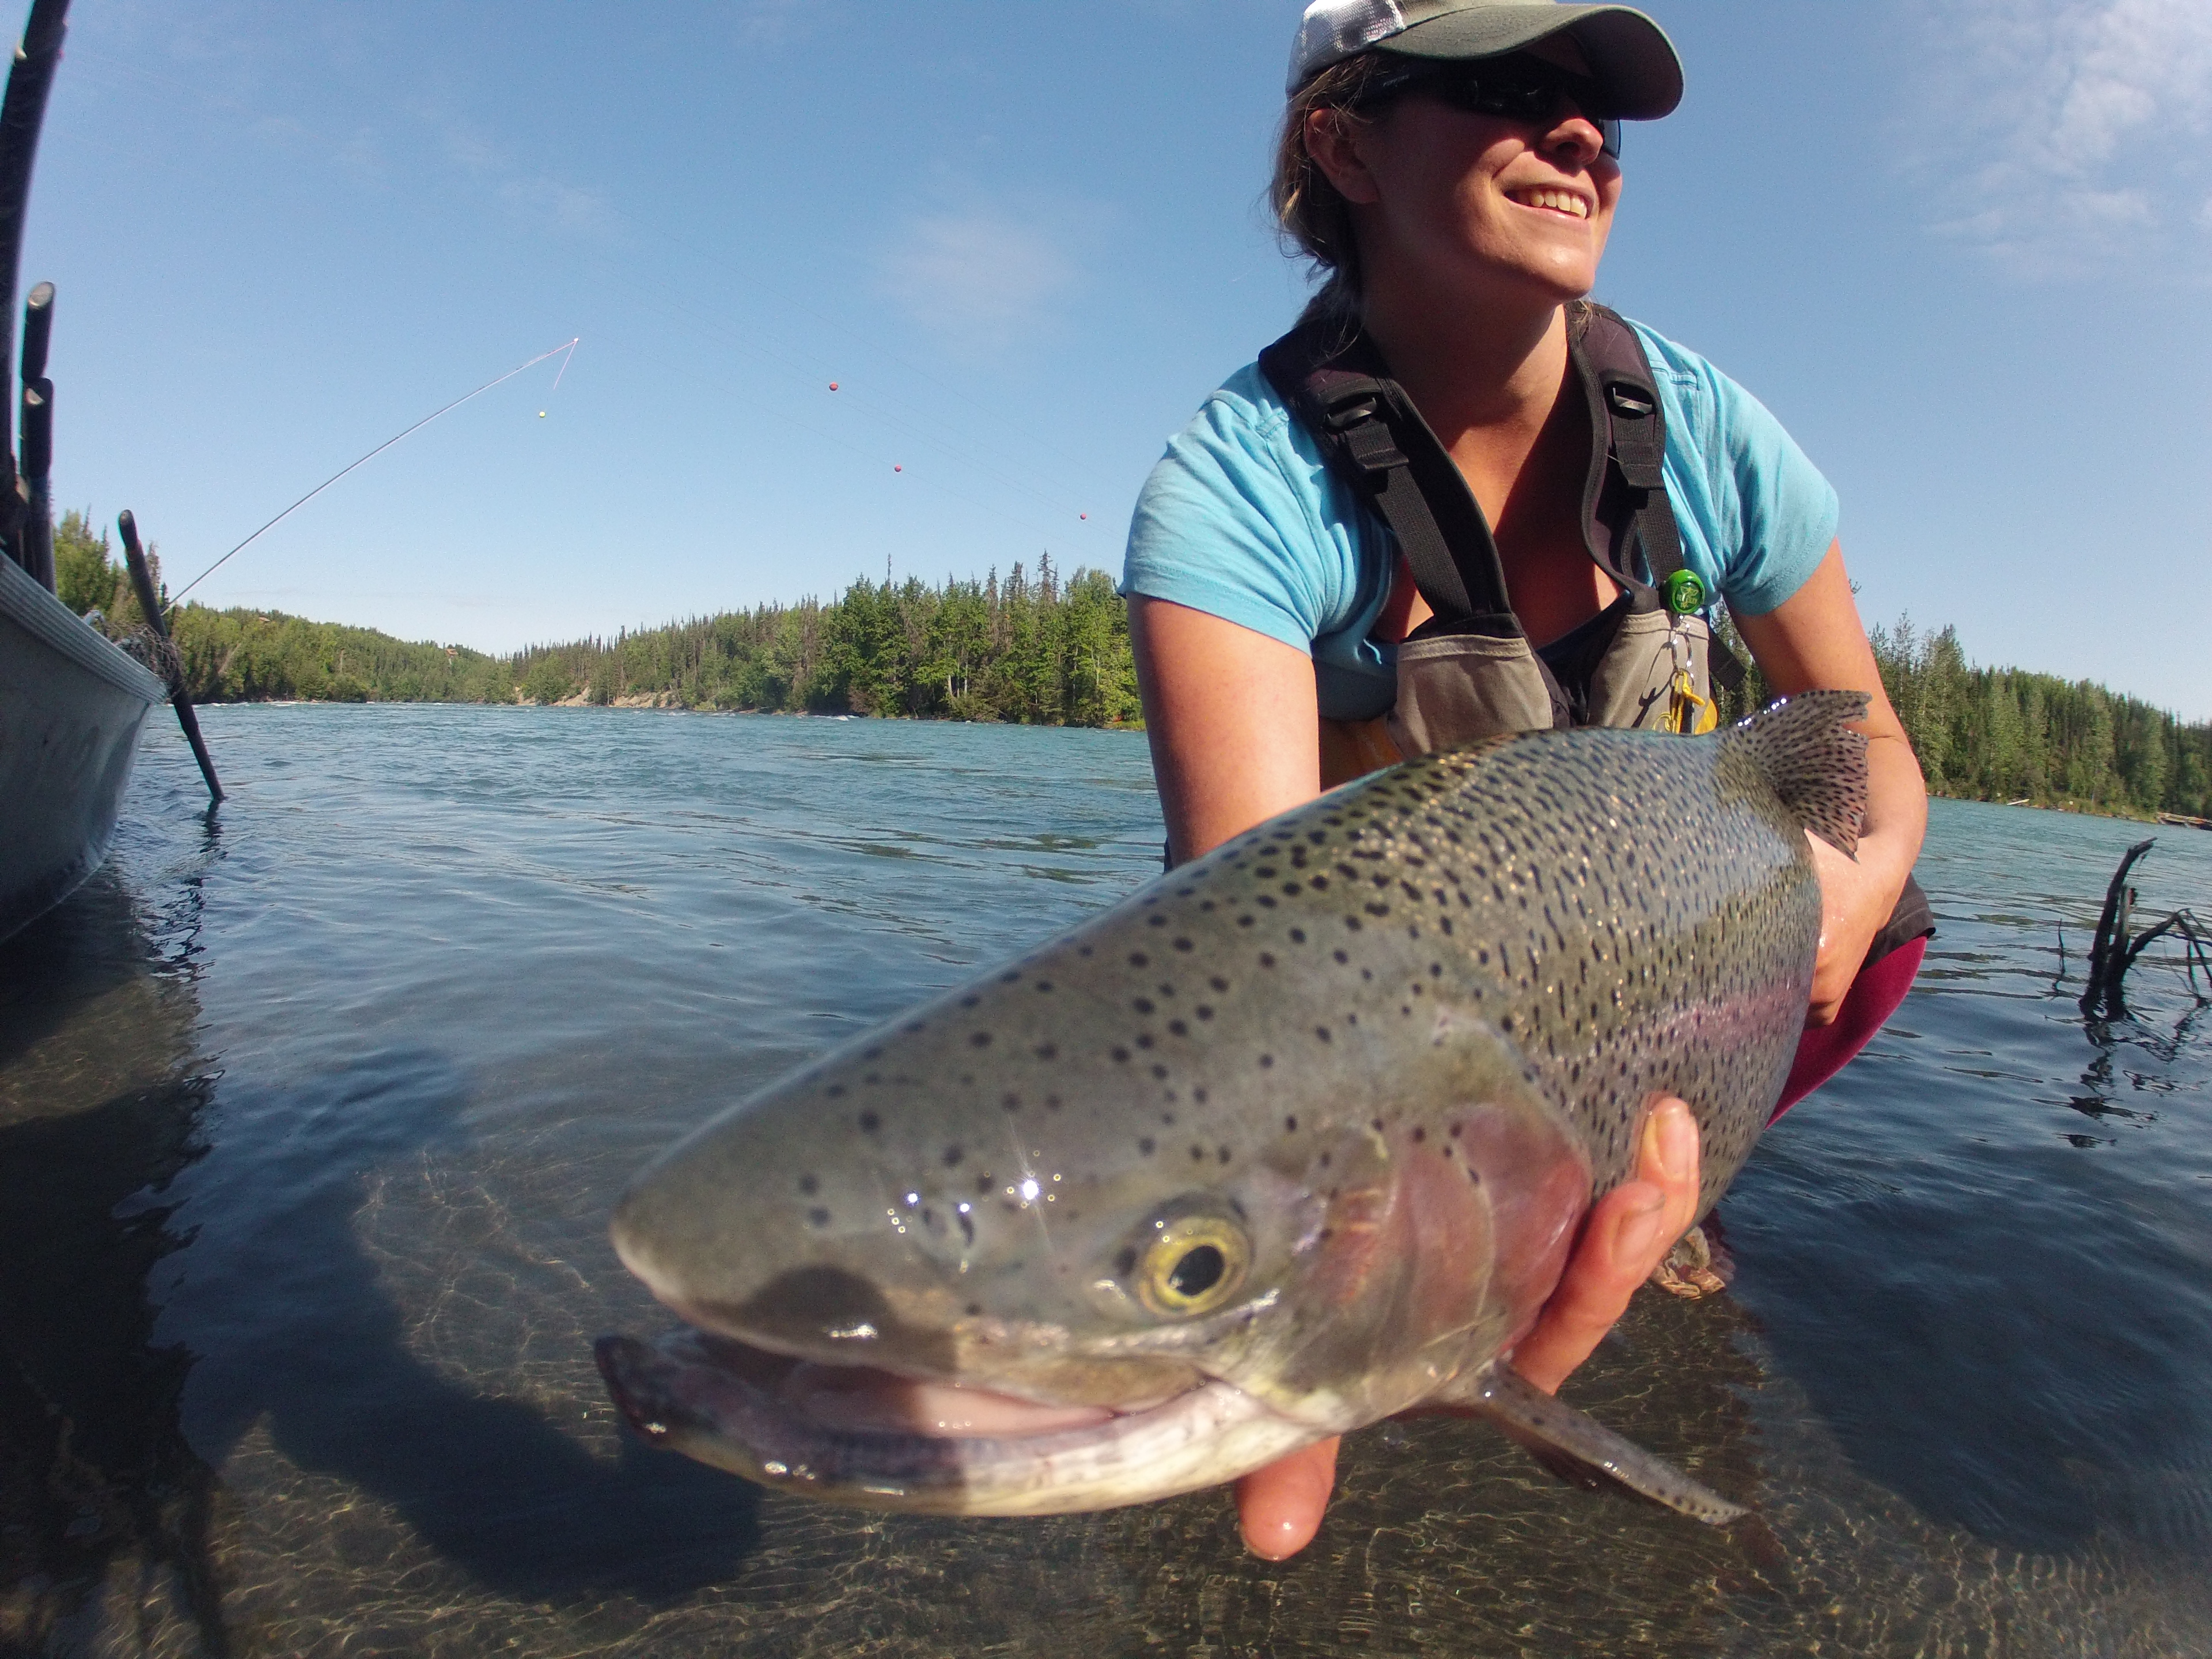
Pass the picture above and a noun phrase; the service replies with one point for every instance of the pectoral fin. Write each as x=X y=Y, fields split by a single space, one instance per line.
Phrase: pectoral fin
x=1582 y=1451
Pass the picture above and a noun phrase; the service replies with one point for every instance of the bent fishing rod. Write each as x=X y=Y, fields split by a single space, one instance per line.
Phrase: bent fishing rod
x=568 y=346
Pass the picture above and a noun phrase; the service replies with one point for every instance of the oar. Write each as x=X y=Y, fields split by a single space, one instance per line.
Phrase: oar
x=141 y=583
x=35 y=481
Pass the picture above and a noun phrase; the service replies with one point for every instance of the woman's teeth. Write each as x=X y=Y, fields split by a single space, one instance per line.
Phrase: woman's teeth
x=1559 y=201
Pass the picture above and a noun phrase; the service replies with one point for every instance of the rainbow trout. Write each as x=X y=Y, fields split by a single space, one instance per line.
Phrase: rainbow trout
x=1296 y=1138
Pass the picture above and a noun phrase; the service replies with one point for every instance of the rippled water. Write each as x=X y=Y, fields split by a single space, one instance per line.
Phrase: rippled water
x=310 y=1118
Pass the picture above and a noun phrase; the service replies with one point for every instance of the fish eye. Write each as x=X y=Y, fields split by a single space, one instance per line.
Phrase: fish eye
x=1191 y=1266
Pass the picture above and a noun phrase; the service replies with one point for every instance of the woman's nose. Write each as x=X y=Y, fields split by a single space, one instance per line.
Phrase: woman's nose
x=1574 y=136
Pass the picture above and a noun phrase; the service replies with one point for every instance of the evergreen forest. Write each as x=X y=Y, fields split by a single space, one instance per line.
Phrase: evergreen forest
x=1040 y=649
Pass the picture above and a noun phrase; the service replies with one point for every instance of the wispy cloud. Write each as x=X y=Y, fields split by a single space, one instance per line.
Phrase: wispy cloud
x=980 y=277
x=2066 y=136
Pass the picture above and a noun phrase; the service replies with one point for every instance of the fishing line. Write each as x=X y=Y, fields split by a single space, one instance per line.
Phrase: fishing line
x=568 y=346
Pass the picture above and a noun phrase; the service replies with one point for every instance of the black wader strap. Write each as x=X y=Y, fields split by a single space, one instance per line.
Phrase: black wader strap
x=1627 y=423
x=1374 y=440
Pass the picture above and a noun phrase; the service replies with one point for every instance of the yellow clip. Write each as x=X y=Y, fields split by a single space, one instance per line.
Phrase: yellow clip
x=1687 y=711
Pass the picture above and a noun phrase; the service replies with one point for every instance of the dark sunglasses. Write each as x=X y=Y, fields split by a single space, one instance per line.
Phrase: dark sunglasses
x=1518 y=88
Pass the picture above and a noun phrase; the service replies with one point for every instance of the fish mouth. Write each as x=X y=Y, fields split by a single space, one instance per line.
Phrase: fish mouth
x=860 y=1436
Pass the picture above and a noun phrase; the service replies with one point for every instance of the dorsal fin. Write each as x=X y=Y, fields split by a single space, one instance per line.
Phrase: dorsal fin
x=1808 y=755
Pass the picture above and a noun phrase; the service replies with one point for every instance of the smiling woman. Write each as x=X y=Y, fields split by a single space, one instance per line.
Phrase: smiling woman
x=1458 y=501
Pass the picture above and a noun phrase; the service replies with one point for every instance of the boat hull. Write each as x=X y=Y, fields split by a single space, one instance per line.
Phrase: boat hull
x=71 y=709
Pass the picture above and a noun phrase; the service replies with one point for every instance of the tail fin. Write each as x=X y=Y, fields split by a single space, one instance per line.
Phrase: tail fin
x=1801 y=747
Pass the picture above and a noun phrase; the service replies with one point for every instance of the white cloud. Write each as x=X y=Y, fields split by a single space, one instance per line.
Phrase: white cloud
x=2066 y=136
x=980 y=277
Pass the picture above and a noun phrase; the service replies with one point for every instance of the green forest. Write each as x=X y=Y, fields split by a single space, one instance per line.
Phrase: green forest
x=1040 y=649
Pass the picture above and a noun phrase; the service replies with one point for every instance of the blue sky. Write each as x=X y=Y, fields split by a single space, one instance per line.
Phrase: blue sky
x=1960 y=248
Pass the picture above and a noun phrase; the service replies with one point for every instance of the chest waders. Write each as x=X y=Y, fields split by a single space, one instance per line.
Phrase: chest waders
x=1648 y=662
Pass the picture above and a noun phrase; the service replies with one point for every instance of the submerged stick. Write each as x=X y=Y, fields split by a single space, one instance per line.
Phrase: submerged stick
x=149 y=602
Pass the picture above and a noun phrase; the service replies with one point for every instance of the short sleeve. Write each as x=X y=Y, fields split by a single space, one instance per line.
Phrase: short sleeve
x=1234 y=521
x=1756 y=515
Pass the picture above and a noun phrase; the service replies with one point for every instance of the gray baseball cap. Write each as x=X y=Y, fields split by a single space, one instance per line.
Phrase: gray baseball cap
x=1630 y=56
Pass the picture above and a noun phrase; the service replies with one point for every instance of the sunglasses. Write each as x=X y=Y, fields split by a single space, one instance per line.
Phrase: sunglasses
x=1518 y=88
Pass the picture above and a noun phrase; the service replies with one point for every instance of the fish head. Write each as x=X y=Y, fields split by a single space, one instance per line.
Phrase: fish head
x=997 y=1259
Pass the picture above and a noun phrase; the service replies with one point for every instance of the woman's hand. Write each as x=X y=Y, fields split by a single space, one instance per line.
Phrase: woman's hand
x=1625 y=1236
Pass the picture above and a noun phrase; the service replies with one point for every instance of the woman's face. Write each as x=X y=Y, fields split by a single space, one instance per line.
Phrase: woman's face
x=1466 y=203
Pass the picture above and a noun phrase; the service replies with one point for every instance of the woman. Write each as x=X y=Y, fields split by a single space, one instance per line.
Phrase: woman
x=1451 y=165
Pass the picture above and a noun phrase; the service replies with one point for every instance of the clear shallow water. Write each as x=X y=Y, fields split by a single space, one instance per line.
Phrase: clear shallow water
x=310 y=1122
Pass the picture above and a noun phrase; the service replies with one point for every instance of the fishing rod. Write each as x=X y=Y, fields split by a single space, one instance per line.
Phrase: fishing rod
x=568 y=346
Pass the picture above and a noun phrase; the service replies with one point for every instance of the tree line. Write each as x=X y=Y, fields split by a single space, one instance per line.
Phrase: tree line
x=1037 y=649
x=1031 y=648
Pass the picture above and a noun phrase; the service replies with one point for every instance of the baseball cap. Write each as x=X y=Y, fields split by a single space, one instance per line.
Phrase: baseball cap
x=1630 y=56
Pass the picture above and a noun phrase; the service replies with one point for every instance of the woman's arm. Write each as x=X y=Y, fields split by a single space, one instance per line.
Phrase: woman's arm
x=1814 y=639
x=1232 y=720
x=1236 y=740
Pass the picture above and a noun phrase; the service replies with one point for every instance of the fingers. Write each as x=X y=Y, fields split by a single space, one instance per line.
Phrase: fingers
x=1280 y=1507
x=1626 y=1236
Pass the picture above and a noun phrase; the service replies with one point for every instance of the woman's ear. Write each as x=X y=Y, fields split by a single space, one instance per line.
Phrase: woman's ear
x=1333 y=140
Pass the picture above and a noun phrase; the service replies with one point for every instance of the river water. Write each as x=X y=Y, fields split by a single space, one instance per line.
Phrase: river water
x=311 y=1115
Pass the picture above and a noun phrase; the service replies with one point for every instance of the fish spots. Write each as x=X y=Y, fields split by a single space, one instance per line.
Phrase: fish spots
x=1121 y=1056
x=1047 y=1051
x=873 y=1054
x=1011 y=1103
x=1267 y=959
x=1178 y=1028
x=1218 y=983
x=1012 y=978
x=1139 y=959
x=1126 y=1263
x=1322 y=1032
x=1185 y=946
x=1290 y=1124
x=1199 y=1095
x=1156 y=922
x=1044 y=987
x=979 y=1039
x=1052 y=1102
x=1144 y=1040
x=836 y=1091
x=1203 y=1011
x=1160 y=1074
x=1225 y=1154
x=1343 y=958
x=870 y=1123
x=1244 y=921
x=818 y=1217
x=1143 y=1004
x=1266 y=1062
x=1419 y=1135
x=1147 y=1144
x=953 y=1156
x=1297 y=936
x=1352 y=923
x=969 y=1002
x=1197 y=1153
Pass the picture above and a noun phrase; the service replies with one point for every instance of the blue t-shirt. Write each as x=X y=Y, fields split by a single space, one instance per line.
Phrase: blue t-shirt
x=1242 y=520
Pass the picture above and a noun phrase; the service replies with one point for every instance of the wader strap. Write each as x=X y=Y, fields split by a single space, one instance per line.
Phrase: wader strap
x=1629 y=427
x=1375 y=441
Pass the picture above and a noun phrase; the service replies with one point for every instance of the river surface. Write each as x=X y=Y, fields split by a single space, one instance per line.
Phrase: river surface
x=312 y=1113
